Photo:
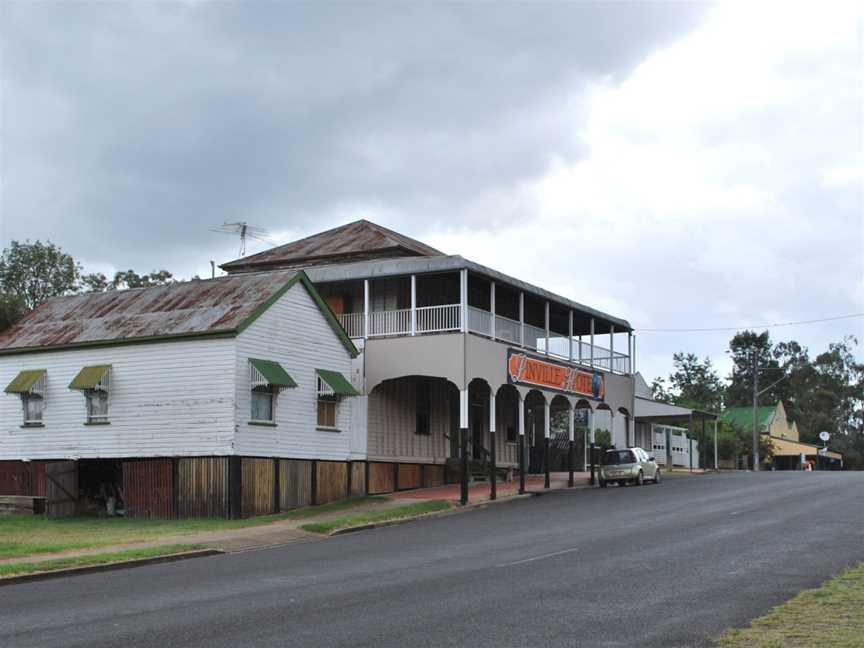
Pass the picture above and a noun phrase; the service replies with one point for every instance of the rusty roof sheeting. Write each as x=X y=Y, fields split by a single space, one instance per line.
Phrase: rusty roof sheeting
x=188 y=308
x=360 y=240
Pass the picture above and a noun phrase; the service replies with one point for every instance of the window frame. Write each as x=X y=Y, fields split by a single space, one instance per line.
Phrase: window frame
x=326 y=397
x=102 y=387
x=273 y=393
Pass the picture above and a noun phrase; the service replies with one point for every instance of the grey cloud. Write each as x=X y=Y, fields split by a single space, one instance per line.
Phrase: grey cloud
x=129 y=129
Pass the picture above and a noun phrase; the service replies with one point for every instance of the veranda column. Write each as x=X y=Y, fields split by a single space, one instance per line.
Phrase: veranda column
x=521 y=444
x=463 y=300
x=413 y=304
x=365 y=308
x=611 y=348
x=572 y=445
x=492 y=308
x=546 y=348
x=493 y=486
x=570 y=335
x=521 y=319
x=463 y=445
x=592 y=346
x=630 y=352
x=546 y=411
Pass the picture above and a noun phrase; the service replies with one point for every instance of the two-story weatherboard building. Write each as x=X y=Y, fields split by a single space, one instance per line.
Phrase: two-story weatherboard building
x=353 y=361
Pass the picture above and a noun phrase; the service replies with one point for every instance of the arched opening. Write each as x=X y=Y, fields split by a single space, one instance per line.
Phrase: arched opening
x=507 y=425
x=535 y=439
x=604 y=426
x=478 y=420
x=582 y=413
x=559 y=433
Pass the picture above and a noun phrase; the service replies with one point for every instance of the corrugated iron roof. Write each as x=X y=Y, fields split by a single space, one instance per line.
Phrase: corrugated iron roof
x=188 y=308
x=360 y=240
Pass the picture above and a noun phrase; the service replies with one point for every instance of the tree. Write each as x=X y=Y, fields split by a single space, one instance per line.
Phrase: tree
x=12 y=309
x=694 y=383
x=740 y=389
x=34 y=272
x=131 y=279
x=659 y=392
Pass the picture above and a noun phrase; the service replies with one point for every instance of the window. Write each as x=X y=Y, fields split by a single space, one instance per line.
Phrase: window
x=31 y=386
x=511 y=434
x=327 y=405
x=332 y=387
x=95 y=383
x=33 y=405
x=266 y=379
x=423 y=406
x=263 y=404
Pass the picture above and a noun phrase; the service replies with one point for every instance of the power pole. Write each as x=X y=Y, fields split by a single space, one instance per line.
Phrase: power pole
x=755 y=364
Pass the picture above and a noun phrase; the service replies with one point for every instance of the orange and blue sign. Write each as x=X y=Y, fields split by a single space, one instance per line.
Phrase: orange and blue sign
x=523 y=369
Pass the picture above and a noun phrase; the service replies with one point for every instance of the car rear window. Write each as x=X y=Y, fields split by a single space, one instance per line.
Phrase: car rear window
x=619 y=457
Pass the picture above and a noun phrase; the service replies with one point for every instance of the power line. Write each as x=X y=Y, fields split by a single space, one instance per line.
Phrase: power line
x=749 y=326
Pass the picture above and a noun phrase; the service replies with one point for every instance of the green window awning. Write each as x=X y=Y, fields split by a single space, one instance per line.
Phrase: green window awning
x=273 y=373
x=25 y=381
x=89 y=377
x=337 y=382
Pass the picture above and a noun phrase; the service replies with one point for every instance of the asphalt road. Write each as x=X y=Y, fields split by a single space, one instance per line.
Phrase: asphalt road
x=669 y=565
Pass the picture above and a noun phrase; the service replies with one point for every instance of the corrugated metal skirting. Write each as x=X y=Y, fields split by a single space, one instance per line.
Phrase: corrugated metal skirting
x=331 y=481
x=148 y=488
x=202 y=487
x=23 y=478
x=259 y=481
x=295 y=483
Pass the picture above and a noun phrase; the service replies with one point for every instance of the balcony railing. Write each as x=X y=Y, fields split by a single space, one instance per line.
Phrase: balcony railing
x=436 y=319
x=447 y=317
x=395 y=322
x=352 y=323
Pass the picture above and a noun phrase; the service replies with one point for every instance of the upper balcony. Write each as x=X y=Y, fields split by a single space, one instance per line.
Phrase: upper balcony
x=381 y=299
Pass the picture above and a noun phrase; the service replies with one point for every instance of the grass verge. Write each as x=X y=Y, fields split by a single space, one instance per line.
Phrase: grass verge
x=401 y=512
x=829 y=616
x=27 y=535
x=17 y=569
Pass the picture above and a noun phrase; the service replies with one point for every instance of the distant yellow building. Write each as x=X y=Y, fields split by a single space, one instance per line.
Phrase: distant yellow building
x=790 y=453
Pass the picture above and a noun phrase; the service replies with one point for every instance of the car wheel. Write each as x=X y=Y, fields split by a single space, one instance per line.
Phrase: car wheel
x=657 y=477
x=602 y=483
x=640 y=479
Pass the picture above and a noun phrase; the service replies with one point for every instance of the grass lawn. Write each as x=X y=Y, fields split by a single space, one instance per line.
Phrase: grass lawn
x=16 y=569
x=360 y=519
x=22 y=535
x=830 y=616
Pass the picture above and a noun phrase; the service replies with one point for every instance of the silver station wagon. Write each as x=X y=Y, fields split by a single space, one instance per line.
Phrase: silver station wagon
x=632 y=465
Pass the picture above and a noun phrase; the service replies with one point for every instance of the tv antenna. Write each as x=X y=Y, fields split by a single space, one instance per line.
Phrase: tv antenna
x=245 y=230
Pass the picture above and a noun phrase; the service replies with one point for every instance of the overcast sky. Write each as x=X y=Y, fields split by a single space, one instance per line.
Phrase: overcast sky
x=678 y=165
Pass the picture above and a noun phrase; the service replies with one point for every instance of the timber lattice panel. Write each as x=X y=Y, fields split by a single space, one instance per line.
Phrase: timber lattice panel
x=295 y=483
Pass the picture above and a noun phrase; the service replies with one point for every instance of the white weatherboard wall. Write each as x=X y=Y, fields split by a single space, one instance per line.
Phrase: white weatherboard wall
x=294 y=333
x=166 y=399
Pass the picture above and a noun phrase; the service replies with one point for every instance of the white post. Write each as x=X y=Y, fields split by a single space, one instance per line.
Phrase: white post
x=591 y=438
x=492 y=308
x=491 y=410
x=521 y=319
x=716 y=464
x=580 y=349
x=633 y=365
x=570 y=335
x=463 y=408
x=592 y=351
x=413 y=304
x=572 y=423
x=463 y=299
x=521 y=415
x=365 y=308
x=629 y=352
x=546 y=409
x=611 y=348
x=547 y=328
